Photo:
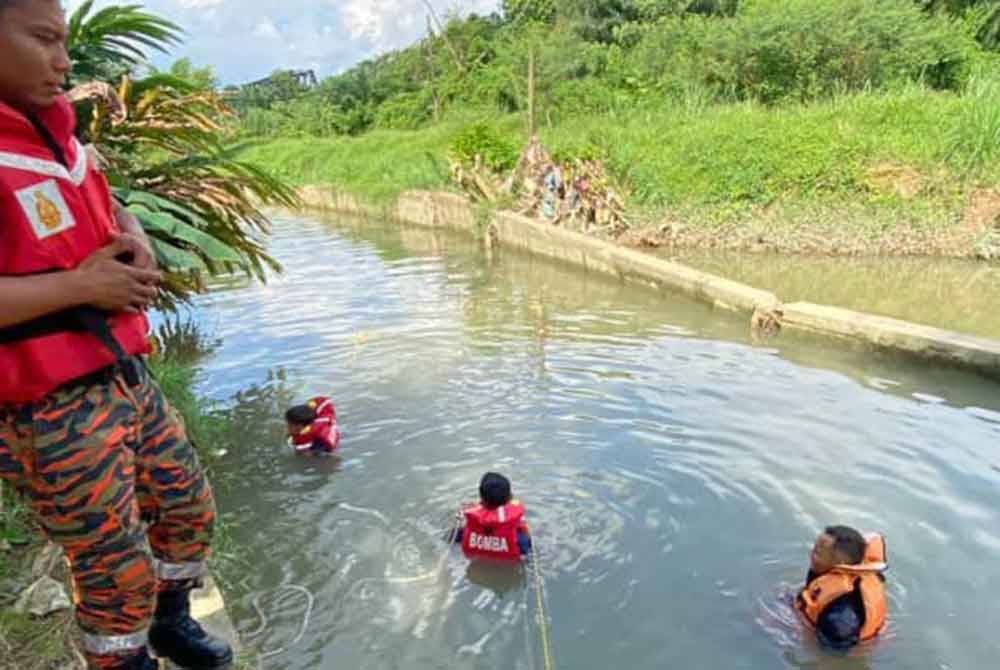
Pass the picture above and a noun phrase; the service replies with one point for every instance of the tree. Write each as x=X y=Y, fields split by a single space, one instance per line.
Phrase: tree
x=539 y=11
x=984 y=16
x=201 y=78
x=112 y=42
x=162 y=139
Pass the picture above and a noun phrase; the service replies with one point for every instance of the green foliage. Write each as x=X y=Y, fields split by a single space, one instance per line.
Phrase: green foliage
x=166 y=155
x=975 y=133
x=526 y=11
x=377 y=165
x=778 y=50
x=982 y=15
x=485 y=143
x=711 y=105
x=199 y=78
x=111 y=42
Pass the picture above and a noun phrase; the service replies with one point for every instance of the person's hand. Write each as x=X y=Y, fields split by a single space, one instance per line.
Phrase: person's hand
x=109 y=284
x=140 y=252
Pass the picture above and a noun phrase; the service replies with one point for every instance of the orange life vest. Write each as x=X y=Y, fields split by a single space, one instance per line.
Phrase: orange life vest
x=52 y=217
x=492 y=533
x=866 y=577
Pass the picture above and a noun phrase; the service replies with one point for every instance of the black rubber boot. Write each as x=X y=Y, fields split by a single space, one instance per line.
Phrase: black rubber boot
x=142 y=662
x=174 y=635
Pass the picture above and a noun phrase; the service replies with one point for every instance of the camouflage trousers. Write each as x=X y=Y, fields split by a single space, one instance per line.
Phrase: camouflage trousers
x=97 y=463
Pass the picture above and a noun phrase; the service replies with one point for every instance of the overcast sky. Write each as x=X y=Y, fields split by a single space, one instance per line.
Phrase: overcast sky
x=248 y=39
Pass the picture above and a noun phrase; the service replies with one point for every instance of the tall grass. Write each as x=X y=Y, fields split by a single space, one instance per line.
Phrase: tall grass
x=975 y=134
x=716 y=157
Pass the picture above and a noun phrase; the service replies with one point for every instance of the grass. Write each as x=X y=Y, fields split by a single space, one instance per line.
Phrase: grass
x=25 y=642
x=868 y=162
x=377 y=166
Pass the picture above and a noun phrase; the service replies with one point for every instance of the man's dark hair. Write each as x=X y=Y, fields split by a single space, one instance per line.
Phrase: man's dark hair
x=302 y=415
x=848 y=543
x=494 y=490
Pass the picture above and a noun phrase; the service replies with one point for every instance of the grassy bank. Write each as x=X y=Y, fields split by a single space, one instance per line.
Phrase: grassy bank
x=909 y=171
x=45 y=644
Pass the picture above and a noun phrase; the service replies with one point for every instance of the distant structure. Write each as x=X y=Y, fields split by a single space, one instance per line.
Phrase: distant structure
x=304 y=78
x=277 y=87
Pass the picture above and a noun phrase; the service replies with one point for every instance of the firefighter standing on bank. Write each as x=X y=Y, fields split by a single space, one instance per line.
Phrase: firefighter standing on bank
x=86 y=436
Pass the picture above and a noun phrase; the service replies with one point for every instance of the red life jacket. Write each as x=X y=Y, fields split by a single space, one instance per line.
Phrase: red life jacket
x=51 y=219
x=323 y=429
x=492 y=533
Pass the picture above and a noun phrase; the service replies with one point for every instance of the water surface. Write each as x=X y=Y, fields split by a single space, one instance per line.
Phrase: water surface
x=954 y=294
x=674 y=473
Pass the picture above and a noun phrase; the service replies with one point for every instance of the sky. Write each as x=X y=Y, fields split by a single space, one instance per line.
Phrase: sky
x=248 y=39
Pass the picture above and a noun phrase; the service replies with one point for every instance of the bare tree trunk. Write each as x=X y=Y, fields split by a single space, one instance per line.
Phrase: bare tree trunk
x=444 y=35
x=432 y=69
x=531 y=93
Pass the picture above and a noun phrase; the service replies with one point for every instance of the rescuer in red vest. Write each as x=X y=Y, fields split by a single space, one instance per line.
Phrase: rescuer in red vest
x=312 y=428
x=86 y=436
x=495 y=528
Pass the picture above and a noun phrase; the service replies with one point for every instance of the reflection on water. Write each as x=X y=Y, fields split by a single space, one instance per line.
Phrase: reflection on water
x=674 y=474
x=948 y=293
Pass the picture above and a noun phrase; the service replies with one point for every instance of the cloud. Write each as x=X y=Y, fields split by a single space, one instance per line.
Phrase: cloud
x=248 y=39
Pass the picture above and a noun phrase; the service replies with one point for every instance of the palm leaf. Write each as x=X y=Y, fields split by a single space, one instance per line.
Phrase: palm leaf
x=173 y=228
x=175 y=258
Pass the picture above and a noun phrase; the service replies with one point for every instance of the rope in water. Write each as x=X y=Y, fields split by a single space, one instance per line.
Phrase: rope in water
x=543 y=620
x=311 y=600
x=542 y=617
x=306 y=618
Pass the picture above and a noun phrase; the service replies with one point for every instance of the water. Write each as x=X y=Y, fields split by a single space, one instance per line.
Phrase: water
x=674 y=473
x=959 y=295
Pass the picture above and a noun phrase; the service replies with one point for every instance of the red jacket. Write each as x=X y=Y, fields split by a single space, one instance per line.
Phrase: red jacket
x=322 y=432
x=52 y=218
x=492 y=533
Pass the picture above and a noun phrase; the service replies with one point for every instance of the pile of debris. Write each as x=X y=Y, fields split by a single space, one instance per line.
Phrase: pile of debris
x=577 y=194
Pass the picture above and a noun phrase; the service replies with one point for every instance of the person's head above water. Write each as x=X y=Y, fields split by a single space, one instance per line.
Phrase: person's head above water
x=494 y=490
x=299 y=418
x=35 y=61
x=837 y=545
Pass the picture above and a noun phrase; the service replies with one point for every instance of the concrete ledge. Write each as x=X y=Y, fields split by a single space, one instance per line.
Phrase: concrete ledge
x=448 y=210
x=628 y=264
x=934 y=344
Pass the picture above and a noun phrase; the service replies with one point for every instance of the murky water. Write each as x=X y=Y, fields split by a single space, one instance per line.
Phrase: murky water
x=674 y=474
x=947 y=293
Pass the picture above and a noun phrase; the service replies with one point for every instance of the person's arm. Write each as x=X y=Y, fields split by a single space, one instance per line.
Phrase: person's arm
x=23 y=299
x=839 y=625
x=100 y=281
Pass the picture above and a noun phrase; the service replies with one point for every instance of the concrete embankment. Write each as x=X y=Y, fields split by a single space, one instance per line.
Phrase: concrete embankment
x=765 y=309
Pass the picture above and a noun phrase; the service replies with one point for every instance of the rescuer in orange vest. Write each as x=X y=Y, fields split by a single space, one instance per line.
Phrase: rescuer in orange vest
x=844 y=596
